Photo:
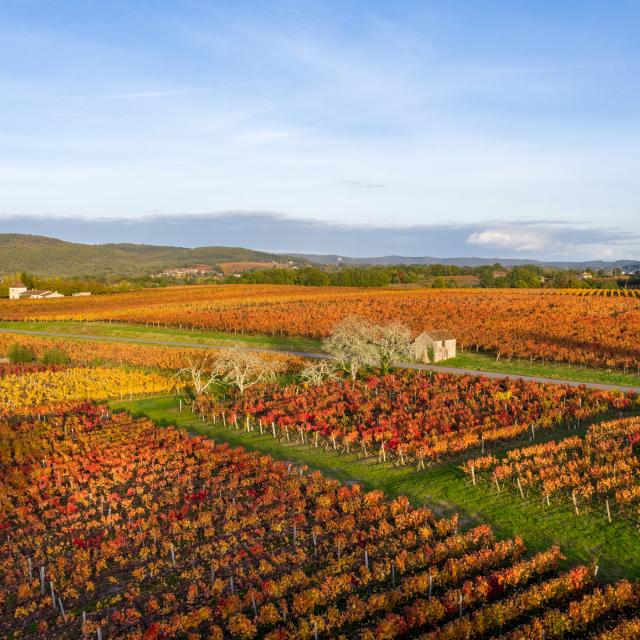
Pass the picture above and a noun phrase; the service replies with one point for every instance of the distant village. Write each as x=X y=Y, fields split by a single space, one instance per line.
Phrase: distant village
x=20 y=292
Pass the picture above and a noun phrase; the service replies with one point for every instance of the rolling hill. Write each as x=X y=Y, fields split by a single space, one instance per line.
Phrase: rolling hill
x=44 y=256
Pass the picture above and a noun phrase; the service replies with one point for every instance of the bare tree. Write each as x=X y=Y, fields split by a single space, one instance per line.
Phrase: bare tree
x=352 y=345
x=203 y=374
x=315 y=373
x=392 y=342
x=243 y=369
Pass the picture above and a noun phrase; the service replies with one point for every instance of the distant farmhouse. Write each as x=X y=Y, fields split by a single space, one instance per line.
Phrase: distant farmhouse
x=435 y=346
x=185 y=272
x=20 y=292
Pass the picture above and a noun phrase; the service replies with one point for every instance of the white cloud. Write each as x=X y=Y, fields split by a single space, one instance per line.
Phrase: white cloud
x=518 y=240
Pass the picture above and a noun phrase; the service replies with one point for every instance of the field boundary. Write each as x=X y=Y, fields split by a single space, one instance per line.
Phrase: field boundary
x=316 y=355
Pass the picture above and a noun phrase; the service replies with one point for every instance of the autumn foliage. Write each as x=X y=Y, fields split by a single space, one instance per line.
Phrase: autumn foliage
x=411 y=416
x=114 y=524
x=552 y=325
x=598 y=473
x=54 y=385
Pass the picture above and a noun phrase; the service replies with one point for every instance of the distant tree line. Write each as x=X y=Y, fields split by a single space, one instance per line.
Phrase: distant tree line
x=435 y=275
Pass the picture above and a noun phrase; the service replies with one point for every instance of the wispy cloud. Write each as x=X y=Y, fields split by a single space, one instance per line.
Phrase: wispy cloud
x=143 y=95
x=361 y=184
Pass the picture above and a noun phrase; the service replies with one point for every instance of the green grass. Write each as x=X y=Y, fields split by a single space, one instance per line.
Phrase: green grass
x=445 y=489
x=142 y=332
x=465 y=360
x=488 y=362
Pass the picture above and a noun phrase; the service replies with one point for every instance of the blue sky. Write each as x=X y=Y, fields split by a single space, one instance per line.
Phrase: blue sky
x=515 y=122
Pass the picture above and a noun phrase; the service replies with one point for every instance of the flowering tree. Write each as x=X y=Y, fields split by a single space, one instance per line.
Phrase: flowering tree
x=392 y=342
x=352 y=344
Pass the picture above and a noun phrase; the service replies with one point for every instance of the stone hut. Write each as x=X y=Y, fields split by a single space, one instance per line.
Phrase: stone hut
x=435 y=346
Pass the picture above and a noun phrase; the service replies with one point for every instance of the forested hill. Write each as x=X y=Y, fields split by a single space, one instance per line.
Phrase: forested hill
x=44 y=256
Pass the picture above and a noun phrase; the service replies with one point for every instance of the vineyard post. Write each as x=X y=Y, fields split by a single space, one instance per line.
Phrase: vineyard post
x=84 y=623
x=260 y=425
x=30 y=568
x=99 y=633
x=173 y=556
x=393 y=574
x=232 y=586
x=520 y=488
x=213 y=575
x=575 y=503
x=295 y=535
x=315 y=543
x=255 y=606
x=64 y=615
x=42 y=580
x=548 y=501
x=460 y=604
x=273 y=428
x=497 y=485
x=382 y=453
x=430 y=585
x=53 y=595
x=315 y=630
x=608 y=511
x=473 y=475
x=482 y=441
x=366 y=560
x=180 y=401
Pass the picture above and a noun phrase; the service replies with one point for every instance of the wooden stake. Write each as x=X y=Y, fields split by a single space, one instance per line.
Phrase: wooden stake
x=608 y=511
x=520 y=488
x=473 y=475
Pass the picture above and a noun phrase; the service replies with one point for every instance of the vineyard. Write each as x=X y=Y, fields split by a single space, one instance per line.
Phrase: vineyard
x=35 y=388
x=606 y=293
x=114 y=528
x=598 y=473
x=412 y=417
x=86 y=352
x=551 y=326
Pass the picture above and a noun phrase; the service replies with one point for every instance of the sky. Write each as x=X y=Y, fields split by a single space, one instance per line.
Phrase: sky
x=513 y=125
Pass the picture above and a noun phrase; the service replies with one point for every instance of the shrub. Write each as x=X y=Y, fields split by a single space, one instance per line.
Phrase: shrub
x=55 y=356
x=19 y=354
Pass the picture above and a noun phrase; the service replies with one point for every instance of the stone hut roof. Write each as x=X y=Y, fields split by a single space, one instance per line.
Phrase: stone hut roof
x=440 y=334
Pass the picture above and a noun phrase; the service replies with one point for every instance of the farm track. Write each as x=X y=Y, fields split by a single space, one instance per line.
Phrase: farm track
x=317 y=355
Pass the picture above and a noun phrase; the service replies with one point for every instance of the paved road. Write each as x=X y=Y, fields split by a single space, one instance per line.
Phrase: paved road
x=323 y=356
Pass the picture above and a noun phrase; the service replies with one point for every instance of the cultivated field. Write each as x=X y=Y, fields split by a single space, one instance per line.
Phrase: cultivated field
x=493 y=508
x=115 y=528
x=545 y=325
